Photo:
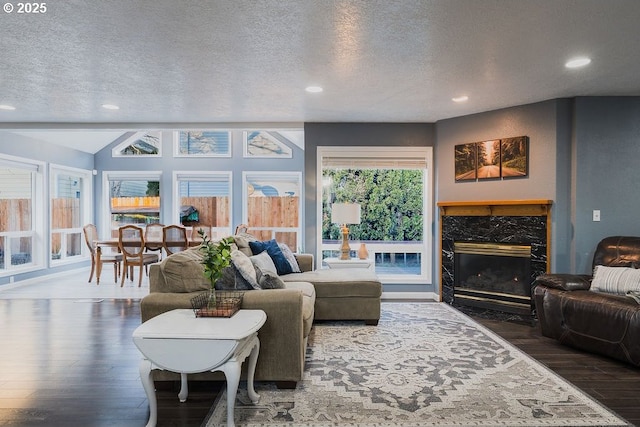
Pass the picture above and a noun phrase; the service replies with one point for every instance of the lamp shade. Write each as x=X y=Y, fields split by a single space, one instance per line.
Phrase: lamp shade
x=345 y=213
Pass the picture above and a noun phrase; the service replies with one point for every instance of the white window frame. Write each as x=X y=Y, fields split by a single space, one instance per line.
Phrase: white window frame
x=201 y=176
x=105 y=220
x=277 y=176
x=38 y=217
x=176 y=144
x=86 y=211
x=115 y=152
x=385 y=155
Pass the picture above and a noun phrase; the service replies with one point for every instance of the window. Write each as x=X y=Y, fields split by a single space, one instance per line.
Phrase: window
x=393 y=187
x=273 y=206
x=208 y=143
x=133 y=198
x=21 y=215
x=70 y=193
x=140 y=144
x=271 y=144
x=204 y=200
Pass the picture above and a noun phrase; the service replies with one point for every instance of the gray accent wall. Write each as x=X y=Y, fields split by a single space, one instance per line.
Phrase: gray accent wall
x=607 y=134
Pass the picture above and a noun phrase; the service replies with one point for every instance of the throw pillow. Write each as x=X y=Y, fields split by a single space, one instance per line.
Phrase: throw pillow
x=243 y=264
x=242 y=242
x=274 y=251
x=263 y=263
x=615 y=280
x=269 y=280
x=291 y=258
x=232 y=280
x=184 y=272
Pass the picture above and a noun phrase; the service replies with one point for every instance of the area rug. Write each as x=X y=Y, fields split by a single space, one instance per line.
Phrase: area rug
x=425 y=364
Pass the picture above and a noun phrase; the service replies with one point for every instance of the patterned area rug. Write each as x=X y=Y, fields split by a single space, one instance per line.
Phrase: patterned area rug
x=425 y=364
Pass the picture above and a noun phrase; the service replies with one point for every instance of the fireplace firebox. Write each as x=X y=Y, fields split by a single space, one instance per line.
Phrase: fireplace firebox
x=493 y=276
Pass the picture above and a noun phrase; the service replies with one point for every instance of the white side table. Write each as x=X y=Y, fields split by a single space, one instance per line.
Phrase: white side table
x=334 y=263
x=180 y=342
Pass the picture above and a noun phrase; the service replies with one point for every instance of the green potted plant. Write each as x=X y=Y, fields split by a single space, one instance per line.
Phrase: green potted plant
x=216 y=257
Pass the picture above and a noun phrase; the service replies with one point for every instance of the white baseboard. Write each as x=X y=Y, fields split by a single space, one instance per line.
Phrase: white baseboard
x=37 y=279
x=421 y=296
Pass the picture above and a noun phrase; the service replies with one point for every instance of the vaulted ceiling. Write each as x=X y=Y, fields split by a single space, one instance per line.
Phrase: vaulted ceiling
x=168 y=63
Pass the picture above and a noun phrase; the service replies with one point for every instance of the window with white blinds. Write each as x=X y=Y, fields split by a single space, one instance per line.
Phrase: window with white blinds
x=393 y=186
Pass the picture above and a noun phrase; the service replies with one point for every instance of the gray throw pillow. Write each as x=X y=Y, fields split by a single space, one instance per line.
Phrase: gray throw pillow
x=288 y=254
x=263 y=262
x=269 y=280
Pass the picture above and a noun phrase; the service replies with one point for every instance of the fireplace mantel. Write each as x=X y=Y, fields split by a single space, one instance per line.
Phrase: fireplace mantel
x=496 y=208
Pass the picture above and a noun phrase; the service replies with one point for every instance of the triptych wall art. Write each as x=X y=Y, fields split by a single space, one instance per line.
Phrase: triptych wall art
x=493 y=159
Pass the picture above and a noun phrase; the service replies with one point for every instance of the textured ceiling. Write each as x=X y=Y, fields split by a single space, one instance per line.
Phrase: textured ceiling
x=166 y=62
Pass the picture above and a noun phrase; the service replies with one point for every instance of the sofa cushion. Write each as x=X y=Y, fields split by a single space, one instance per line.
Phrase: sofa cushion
x=291 y=258
x=358 y=282
x=615 y=280
x=274 y=251
x=184 y=272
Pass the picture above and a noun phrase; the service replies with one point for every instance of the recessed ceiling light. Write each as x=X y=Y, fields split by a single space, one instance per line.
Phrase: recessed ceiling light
x=110 y=107
x=313 y=89
x=7 y=107
x=578 y=62
x=463 y=98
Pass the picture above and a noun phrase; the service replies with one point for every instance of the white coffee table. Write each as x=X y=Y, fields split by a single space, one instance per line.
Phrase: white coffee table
x=177 y=341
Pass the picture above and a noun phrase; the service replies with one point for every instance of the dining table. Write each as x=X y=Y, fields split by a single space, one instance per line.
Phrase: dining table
x=115 y=243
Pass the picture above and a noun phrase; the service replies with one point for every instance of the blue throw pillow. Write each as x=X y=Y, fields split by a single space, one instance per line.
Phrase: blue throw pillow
x=274 y=251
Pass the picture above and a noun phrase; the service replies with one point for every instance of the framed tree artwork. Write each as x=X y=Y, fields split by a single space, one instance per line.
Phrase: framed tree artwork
x=466 y=161
x=514 y=157
x=492 y=159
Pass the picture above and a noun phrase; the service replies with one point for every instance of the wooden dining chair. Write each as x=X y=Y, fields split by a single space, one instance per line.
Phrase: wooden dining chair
x=242 y=228
x=195 y=235
x=90 y=236
x=174 y=238
x=131 y=244
x=153 y=238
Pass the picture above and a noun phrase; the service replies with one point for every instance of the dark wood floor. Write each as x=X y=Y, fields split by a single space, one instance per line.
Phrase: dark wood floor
x=73 y=363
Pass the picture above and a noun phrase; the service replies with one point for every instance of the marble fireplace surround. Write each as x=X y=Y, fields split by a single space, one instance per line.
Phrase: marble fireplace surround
x=526 y=222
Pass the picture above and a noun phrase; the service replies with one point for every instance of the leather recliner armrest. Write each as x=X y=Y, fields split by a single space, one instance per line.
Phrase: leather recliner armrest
x=566 y=282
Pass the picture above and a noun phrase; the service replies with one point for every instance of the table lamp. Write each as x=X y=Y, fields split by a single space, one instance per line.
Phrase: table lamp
x=343 y=214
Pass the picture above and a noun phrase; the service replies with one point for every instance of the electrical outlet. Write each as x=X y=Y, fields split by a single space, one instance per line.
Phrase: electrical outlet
x=596 y=215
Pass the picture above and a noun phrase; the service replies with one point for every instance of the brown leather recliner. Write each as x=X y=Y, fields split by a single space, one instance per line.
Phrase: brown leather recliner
x=597 y=322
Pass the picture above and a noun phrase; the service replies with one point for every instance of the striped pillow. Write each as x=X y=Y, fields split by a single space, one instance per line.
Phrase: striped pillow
x=615 y=280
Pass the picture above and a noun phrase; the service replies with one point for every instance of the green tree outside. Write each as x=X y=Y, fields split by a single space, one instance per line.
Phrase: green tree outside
x=391 y=203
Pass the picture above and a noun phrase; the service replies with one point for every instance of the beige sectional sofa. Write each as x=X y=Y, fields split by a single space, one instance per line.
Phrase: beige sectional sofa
x=309 y=295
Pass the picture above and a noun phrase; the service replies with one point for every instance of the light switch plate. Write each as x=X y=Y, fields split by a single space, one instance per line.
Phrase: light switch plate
x=596 y=215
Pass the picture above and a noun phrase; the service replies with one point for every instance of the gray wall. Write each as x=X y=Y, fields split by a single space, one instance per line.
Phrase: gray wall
x=356 y=134
x=607 y=154
x=547 y=124
x=583 y=153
